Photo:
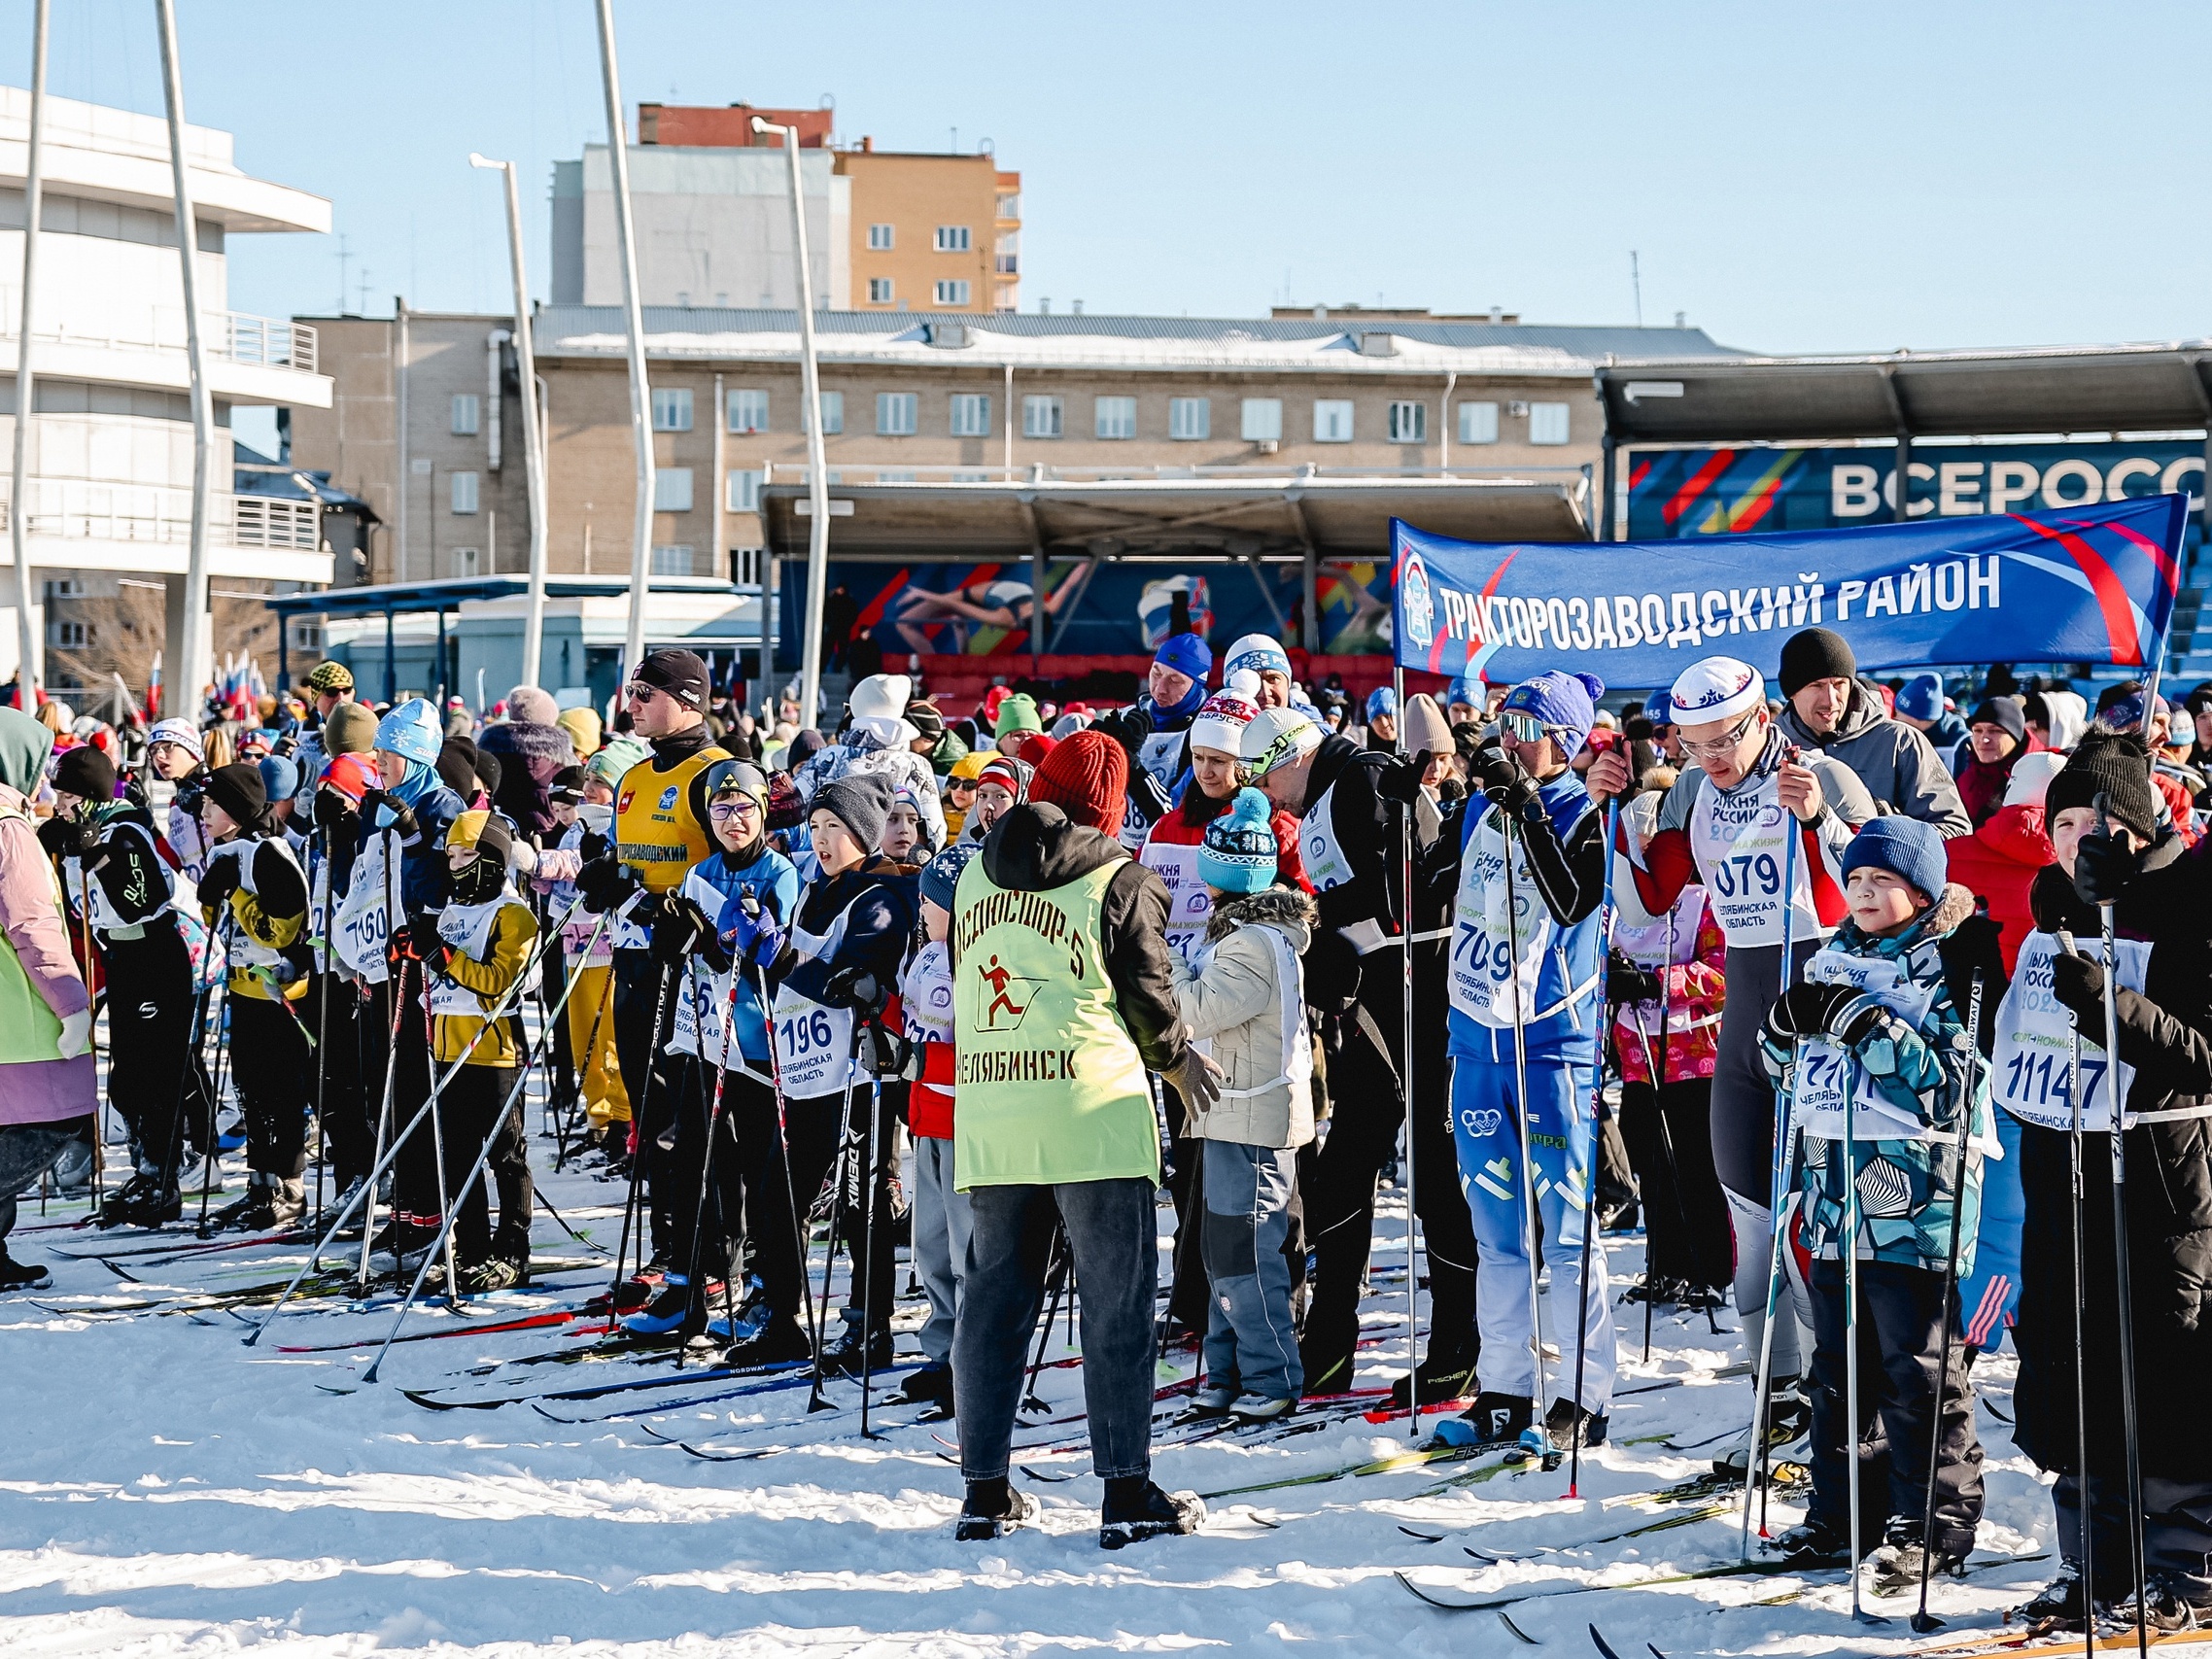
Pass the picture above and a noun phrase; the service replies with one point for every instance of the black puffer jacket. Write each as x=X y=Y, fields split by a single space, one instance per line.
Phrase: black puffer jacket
x=2166 y=1034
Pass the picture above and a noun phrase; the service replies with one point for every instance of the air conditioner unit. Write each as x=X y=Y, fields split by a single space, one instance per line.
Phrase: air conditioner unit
x=1268 y=445
x=1518 y=409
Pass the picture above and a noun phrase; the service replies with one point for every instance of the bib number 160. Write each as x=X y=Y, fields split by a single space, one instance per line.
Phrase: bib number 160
x=1748 y=874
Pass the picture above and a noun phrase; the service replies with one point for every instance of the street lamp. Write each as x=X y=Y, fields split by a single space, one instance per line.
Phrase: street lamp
x=817 y=475
x=533 y=459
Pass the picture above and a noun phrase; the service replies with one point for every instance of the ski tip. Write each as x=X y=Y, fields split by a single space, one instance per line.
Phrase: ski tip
x=1518 y=1634
x=1424 y=1538
x=1606 y=1649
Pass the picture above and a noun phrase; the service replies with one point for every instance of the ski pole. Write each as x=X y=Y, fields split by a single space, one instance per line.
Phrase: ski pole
x=321 y=941
x=1405 y=1079
x=783 y=1143
x=706 y=1159
x=591 y=1048
x=1589 y=1192
x=2081 y=1360
x=1854 y=1428
x=868 y=1235
x=438 y=1152
x=1531 y=1221
x=2128 y=1429
x=1055 y=1277
x=638 y=1146
x=1924 y=1622
x=838 y=1178
x=92 y=1040
x=1786 y=1133
x=228 y=932
x=394 y=986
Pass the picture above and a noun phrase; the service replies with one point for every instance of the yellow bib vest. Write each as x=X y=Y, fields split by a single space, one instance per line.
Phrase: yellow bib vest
x=1051 y=1087
x=654 y=831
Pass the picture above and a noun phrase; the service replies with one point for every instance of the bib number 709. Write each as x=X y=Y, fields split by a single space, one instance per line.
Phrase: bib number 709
x=1748 y=874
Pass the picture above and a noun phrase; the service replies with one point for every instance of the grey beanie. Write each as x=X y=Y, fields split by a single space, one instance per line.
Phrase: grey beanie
x=861 y=801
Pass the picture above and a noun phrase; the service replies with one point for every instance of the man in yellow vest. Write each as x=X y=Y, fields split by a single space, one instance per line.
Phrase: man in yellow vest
x=660 y=832
x=1062 y=1000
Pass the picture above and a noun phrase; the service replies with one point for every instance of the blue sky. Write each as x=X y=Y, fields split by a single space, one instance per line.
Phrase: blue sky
x=1796 y=178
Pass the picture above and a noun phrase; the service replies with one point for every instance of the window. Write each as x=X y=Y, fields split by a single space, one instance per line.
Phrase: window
x=1263 y=420
x=895 y=414
x=882 y=239
x=746 y=564
x=66 y=587
x=892 y=476
x=463 y=492
x=1547 y=423
x=880 y=291
x=950 y=293
x=1409 y=423
x=1478 y=423
x=1332 y=420
x=951 y=238
x=466 y=561
x=970 y=414
x=1116 y=417
x=673 y=561
x=833 y=414
x=671 y=490
x=1042 y=417
x=306 y=633
x=1189 y=416
x=671 y=409
x=748 y=411
x=69 y=636
x=743 y=492
x=1009 y=253
x=466 y=414
x=1010 y=207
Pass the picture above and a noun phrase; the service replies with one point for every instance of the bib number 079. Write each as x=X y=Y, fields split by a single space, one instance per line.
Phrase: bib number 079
x=1748 y=874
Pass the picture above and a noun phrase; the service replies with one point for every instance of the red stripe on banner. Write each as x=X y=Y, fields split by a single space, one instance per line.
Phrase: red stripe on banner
x=2104 y=582
x=1698 y=483
x=1756 y=506
x=1636 y=474
x=1489 y=590
x=873 y=612
x=2157 y=555
x=1828 y=902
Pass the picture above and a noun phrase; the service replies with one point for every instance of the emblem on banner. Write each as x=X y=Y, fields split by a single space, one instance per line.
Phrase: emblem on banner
x=1416 y=602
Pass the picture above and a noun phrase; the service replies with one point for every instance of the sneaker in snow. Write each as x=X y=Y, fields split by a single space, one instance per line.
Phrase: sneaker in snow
x=1214 y=1399
x=1147 y=1513
x=493 y=1274
x=2056 y=1607
x=2171 y=1602
x=1492 y=1420
x=1446 y=1373
x=18 y=1275
x=976 y=1525
x=255 y=1211
x=1807 y=1546
x=1262 y=1407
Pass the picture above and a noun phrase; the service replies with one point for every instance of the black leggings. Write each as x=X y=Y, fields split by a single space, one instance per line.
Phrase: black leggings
x=1685 y=1216
x=813 y=1127
x=269 y=1060
x=149 y=1029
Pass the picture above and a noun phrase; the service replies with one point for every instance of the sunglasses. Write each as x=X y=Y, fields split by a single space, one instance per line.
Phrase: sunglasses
x=635 y=693
x=1721 y=746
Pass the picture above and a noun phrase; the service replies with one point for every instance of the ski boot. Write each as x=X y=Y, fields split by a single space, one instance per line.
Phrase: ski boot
x=1809 y=1547
x=2170 y=1603
x=18 y=1275
x=2058 y=1606
x=1445 y=1373
x=1215 y=1398
x=929 y=1385
x=493 y=1274
x=1565 y=1424
x=1492 y=1420
x=846 y=1356
x=990 y=1510
x=1898 y=1563
x=255 y=1211
x=665 y=1314
x=1136 y=1509
x=780 y=1340
x=1789 y=1419
x=1262 y=1407
x=1656 y=1289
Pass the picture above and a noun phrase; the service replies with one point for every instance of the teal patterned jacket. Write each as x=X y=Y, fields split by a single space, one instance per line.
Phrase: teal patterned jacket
x=1907 y=1190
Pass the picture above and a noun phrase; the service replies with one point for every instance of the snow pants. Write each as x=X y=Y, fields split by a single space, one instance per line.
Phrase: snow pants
x=270 y=1061
x=1249 y=1335
x=650 y=1077
x=27 y=1150
x=2177 y=1532
x=1486 y=1126
x=1669 y=1136
x=1988 y=1297
x=348 y=1135
x=1901 y=1310
x=476 y=1109
x=815 y=1126
x=590 y=1016
x=150 y=1039
x=943 y=1221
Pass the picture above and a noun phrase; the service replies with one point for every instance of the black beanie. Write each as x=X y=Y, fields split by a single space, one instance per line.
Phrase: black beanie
x=488 y=770
x=2116 y=766
x=678 y=673
x=457 y=767
x=239 y=791
x=1818 y=653
x=2008 y=712
x=86 y=772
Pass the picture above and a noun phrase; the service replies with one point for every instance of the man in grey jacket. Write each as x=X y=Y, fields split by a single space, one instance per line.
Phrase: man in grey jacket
x=1830 y=710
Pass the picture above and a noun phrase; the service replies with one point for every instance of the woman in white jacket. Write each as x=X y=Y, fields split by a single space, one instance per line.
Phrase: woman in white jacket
x=1243 y=1001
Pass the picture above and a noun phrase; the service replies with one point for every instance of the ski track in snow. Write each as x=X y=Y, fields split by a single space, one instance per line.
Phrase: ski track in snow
x=166 y=1491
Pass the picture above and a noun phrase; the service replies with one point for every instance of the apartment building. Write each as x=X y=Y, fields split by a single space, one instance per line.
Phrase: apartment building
x=931 y=232
x=108 y=494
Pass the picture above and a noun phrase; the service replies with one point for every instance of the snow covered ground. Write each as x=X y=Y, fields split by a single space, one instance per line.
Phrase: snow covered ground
x=166 y=1490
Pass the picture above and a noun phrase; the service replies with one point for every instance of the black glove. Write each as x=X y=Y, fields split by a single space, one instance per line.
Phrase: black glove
x=1628 y=981
x=1505 y=780
x=63 y=838
x=1451 y=791
x=2104 y=866
x=605 y=883
x=1401 y=780
x=1973 y=947
x=679 y=929
x=219 y=884
x=1128 y=727
x=886 y=1052
x=1804 y=1009
x=2077 y=982
x=402 y=816
x=857 y=989
x=424 y=941
x=330 y=808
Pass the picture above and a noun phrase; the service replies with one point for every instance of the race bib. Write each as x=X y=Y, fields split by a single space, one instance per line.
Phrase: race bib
x=2034 y=1061
x=1741 y=843
x=1326 y=865
x=363 y=926
x=1190 y=906
x=1493 y=946
x=813 y=1046
x=1829 y=1078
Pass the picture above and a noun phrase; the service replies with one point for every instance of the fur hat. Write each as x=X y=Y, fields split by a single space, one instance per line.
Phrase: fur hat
x=530 y=704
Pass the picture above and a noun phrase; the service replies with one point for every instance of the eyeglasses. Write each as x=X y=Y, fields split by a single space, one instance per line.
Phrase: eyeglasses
x=1721 y=746
x=744 y=807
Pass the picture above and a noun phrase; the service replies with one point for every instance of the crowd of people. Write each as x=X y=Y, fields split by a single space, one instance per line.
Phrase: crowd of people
x=1753 y=973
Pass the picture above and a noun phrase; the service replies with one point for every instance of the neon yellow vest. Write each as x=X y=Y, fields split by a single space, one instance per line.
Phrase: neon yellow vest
x=1050 y=1086
x=654 y=831
x=29 y=1031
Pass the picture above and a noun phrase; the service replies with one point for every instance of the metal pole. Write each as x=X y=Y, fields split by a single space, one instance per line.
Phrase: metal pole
x=534 y=454
x=817 y=464
x=27 y=664
x=1405 y=1076
x=192 y=650
x=633 y=332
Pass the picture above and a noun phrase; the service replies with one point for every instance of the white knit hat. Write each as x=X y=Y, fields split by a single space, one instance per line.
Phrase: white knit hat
x=1277 y=736
x=2031 y=776
x=1220 y=721
x=882 y=697
x=1715 y=688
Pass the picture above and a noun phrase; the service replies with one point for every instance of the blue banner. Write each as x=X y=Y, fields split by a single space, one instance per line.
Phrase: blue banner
x=2093 y=584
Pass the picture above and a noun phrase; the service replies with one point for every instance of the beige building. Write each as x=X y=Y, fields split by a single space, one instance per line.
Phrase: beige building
x=933 y=232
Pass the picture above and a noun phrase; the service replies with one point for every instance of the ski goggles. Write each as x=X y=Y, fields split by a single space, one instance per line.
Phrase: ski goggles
x=1523 y=728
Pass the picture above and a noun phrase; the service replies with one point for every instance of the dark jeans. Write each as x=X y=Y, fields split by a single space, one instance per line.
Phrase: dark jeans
x=1900 y=1333
x=813 y=1127
x=747 y=1203
x=1685 y=1216
x=643 y=1051
x=1111 y=1234
x=149 y=1032
x=270 y=1061
x=471 y=1106
x=2177 y=1532
x=27 y=1150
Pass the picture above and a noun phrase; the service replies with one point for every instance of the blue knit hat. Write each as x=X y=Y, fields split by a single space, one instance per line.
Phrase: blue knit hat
x=1186 y=654
x=280 y=776
x=1922 y=697
x=412 y=731
x=1659 y=708
x=1567 y=703
x=1382 y=700
x=1467 y=689
x=1904 y=846
x=940 y=876
x=1238 y=854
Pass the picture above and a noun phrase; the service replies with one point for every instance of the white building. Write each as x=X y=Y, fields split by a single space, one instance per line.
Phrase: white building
x=713 y=227
x=110 y=452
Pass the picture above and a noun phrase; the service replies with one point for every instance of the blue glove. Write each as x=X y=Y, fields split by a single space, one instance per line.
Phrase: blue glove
x=749 y=929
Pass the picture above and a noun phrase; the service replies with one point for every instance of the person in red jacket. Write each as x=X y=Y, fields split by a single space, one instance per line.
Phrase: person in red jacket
x=1997 y=863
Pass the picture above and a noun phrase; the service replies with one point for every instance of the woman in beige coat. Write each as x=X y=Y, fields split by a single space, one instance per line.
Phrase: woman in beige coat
x=1243 y=1001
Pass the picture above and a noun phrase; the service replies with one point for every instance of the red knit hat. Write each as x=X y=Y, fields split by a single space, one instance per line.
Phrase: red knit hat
x=1087 y=776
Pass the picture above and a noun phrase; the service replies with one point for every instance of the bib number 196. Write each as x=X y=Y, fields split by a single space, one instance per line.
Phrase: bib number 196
x=807 y=1033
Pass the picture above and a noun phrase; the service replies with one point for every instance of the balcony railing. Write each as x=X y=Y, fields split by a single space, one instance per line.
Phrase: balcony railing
x=74 y=510
x=271 y=521
x=259 y=343
x=270 y=342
